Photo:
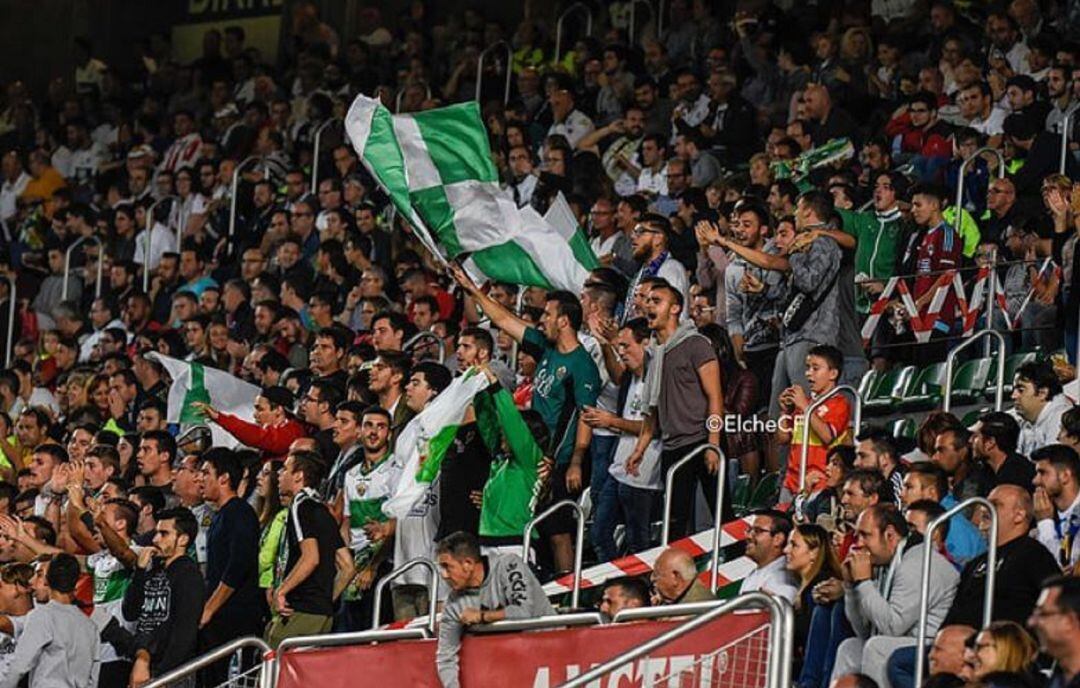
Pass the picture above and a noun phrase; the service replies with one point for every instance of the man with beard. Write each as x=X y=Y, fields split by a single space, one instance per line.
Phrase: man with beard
x=366 y=486
x=386 y=380
x=1059 y=93
x=650 y=241
x=328 y=354
x=621 y=142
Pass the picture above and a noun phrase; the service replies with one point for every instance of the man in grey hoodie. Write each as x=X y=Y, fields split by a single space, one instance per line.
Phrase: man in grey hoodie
x=482 y=590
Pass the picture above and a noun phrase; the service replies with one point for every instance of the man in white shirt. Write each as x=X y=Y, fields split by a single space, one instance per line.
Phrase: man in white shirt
x=15 y=181
x=568 y=121
x=1057 y=501
x=765 y=542
x=652 y=179
x=977 y=107
x=1039 y=406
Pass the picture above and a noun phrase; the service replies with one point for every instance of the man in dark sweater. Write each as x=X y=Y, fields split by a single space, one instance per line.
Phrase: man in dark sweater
x=165 y=597
x=236 y=606
x=994 y=441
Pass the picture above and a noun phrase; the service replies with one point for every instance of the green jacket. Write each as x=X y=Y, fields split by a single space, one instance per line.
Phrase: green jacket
x=512 y=488
x=878 y=241
x=968 y=229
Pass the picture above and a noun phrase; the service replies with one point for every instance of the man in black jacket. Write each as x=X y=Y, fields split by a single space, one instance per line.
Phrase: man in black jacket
x=165 y=597
x=236 y=606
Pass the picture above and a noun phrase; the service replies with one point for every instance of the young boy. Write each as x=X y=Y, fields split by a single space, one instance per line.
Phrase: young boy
x=828 y=425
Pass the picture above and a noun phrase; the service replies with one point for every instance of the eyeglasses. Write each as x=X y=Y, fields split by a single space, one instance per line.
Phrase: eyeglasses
x=1044 y=613
x=755 y=530
x=644 y=229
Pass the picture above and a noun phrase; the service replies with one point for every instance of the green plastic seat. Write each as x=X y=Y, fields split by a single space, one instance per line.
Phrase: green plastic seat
x=765 y=492
x=904 y=428
x=972 y=416
x=869 y=383
x=740 y=495
x=893 y=386
x=969 y=380
x=925 y=391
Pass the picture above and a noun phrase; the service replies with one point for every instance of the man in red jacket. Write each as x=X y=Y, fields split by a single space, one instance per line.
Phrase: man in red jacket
x=274 y=428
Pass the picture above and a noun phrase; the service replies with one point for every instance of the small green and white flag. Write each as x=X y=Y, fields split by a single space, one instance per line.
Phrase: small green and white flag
x=194 y=382
x=423 y=442
x=436 y=167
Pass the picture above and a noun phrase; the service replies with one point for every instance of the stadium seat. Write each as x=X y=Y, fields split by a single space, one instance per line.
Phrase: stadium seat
x=972 y=416
x=869 y=383
x=892 y=386
x=970 y=380
x=765 y=493
x=740 y=495
x=904 y=428
x=925 y=391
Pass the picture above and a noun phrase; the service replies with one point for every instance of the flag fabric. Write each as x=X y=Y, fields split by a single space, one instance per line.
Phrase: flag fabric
x=437 y=169
x=422 y=444
x=194 y=382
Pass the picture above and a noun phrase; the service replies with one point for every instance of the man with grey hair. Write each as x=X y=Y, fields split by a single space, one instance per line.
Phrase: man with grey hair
x=675 y=579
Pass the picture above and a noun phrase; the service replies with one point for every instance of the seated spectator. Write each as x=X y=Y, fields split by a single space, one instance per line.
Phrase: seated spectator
x=675 y=579
x=927 y=481
x=876 y=450
x=884 y=608
x=1057 y=501
x=1039 y=406
x=810 y=557
x=967 y=477
x=483 y=589
x=1004 y=646
x=993 y=440
x=945 y=658
x=1056 y=622
x=623 y=593
x=766 y=540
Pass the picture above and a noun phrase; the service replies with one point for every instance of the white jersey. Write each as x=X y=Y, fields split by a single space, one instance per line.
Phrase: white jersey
x=415 y=536
x=366 y=488
x=111 y=580
x=648 y=476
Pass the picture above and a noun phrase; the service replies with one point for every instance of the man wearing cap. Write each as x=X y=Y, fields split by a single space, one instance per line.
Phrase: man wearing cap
x=568 y=120
x=274 y=428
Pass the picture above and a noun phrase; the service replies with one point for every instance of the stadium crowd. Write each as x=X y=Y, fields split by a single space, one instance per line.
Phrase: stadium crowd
x=750 y=178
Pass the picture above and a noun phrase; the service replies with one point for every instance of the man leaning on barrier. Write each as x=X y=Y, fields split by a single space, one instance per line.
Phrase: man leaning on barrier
x=482 y=590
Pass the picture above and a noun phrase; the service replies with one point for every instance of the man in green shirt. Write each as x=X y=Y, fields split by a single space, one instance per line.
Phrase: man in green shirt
x=566 y=380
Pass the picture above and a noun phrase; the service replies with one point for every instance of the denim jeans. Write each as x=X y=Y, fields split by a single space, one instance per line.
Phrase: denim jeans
x=621 y=503
x=600 y=451
x=828 y=628
x=901 y=668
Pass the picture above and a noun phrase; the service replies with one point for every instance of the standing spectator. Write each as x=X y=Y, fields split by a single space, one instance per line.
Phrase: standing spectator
x=684 y=400
x=274 y=428
x=166 y=596
x=482 y=590
x=235 y=606
x=304 y=589
x=58 y=645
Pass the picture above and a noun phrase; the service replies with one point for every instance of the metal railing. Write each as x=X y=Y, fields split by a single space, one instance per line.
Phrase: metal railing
x=781 y=635
x=509 y=71
x=1066 y=125
x=718 y=512
x=579 y=544
x=150 y=222
x=540 y=623
x=924 y=586
x=67 y=265
x=233 y=194
x=407 y=346
x=660 y=9
x=805 y=453
x=315 y=146
x=963 y=169
x=433 y=589
x=633 y=16
x=12 y=289
x=213 y=656
x=999 y=392
x=577 y=6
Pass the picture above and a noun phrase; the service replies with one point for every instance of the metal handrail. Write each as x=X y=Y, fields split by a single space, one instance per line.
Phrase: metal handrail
x=426 y=335
x=509 y=71
x=805 y=453
x=67 y=265
x=232 y=200
x=660 y=18
x=358 y=638
x=559 y=24
x=633 y=17
x=991 y=290
x=12 y=289
x=718 y=512
x=540 y=623
x=951 y=358
x=579 y=545
x=208 y=659
x=963 y=168
x=433 y=589
x=781 y=634
x=150 y=222
x=1066 y=124
x=316 y=144
x=924 y=586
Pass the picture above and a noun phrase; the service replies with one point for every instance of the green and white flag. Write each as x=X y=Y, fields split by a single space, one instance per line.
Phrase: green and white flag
x=192 y=382
x=436 y=167
x=422 y=444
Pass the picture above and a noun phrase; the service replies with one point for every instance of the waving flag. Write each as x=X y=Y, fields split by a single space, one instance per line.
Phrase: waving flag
x=436 y=167
x=193 y=382
x=422 y=444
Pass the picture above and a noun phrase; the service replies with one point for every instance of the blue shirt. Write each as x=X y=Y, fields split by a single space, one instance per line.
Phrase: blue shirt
x=964 y=542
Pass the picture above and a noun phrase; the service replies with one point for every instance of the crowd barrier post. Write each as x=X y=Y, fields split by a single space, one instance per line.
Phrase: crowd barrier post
x=67 y=265
x=950 y=360
x=805 y=454
x=577 y=6
x=315 y=152
x=579 y=544
x=433 y=589
x=509 y=69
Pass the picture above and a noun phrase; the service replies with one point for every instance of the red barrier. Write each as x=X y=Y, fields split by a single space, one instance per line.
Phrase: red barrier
x=730 y=652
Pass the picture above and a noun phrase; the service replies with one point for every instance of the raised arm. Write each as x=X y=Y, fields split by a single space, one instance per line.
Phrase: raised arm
x=500 y=316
